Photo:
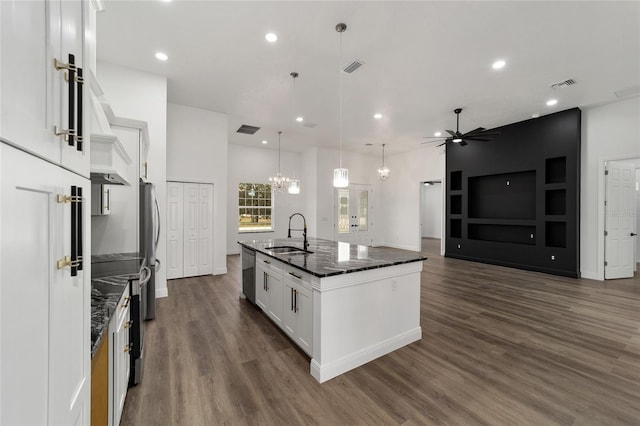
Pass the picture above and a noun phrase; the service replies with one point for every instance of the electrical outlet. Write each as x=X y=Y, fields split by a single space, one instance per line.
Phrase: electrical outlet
x=553 y=257
x=394 y=285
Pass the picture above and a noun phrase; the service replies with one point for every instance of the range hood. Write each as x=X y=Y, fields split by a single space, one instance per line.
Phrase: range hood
x=109 y=159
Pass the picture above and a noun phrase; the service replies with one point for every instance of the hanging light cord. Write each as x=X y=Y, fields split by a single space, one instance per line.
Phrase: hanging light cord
x=279 y=133
x=383 y=155
x=340 y=100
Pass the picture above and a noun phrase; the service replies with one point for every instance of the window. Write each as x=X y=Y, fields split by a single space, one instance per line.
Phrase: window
x=254 y=207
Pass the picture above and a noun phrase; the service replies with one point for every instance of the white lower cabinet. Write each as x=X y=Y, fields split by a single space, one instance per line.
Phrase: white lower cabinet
x=284 y=294
x=269 y=290
x=297 y=315
x=120 y=358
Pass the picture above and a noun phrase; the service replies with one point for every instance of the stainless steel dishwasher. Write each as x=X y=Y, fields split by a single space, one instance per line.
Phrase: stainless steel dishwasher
x=249 y=274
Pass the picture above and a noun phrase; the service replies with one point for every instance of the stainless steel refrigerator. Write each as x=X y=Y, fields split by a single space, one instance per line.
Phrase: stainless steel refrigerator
x=149 y=237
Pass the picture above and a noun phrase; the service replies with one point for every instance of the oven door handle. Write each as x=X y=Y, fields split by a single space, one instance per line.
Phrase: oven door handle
x=146 y=272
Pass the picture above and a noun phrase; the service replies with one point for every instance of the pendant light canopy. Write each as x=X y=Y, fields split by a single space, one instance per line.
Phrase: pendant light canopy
x=279 y=182
x=383 y=172
x=340 y=175
x=294 y=184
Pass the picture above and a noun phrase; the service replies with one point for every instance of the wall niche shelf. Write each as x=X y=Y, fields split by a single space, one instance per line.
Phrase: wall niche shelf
x=455 y=181
x=556 y=170
x=555 y=234
x=455 y=228
x=515 y=234
x=503 y=196
x=455 y=205
x=555 y=202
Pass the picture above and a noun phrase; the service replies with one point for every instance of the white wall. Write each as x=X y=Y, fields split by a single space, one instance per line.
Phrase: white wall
x=400 y=212
x=118 y=232
x=142 y=96
x=609 y=132
x=432 y=210
x=637 y=245
x=197 y=152
x=255 y=165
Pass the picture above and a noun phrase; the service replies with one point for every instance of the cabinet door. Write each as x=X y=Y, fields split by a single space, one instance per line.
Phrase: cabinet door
x=121 y=359
x=175 y=230
x=289 y=319
x=70 y=27
x=304 y=325
x=26 y=75
x=275 y=288
x=262 y=297
x=190 y=264
x=48 y=373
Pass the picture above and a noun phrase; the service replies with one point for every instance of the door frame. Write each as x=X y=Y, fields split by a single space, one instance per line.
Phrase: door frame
x=601 y=211
x=443 y=218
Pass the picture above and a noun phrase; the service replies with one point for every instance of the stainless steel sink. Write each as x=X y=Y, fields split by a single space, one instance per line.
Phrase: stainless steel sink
x=287 y=250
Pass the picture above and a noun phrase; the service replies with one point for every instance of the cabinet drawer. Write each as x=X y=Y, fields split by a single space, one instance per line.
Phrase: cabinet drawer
x=303 y=279
x=269 y=264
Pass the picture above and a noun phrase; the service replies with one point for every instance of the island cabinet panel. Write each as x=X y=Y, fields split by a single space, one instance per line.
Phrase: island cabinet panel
x=298 y=308
x=269 y=287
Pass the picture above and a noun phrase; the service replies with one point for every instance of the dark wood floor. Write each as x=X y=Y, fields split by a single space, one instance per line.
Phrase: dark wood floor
x=500 y=347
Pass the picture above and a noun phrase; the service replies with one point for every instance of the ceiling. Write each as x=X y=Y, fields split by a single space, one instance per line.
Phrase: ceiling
x=421 y=60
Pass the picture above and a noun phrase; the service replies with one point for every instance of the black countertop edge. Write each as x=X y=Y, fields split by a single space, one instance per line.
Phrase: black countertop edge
x=323 y=261
x=106 y=292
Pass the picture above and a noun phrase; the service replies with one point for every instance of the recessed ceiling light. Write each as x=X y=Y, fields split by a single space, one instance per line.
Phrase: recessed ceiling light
x=271 y=37
x=162 y=56
x=437 y=134
x=552 y=102
x=536 y=115
x=377 y=116
x=264 y=142
x=368 y=144
x=499 y=64
x=299 y=119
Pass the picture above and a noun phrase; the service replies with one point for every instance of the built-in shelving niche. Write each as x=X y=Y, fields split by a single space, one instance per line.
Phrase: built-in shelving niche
x=513 y=201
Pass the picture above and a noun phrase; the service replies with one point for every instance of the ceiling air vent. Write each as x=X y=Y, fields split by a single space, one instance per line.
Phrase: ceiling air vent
x=566 y=83
x=309 y=124
x=353 y=66
x=246 y=129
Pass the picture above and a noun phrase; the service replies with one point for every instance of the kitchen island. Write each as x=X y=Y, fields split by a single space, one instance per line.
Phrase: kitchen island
x=343 y=304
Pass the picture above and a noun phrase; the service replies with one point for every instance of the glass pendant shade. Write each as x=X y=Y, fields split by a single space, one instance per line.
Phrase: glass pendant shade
x=340 y=178
x=383 y=173
x=279 y=182
x=294 y=186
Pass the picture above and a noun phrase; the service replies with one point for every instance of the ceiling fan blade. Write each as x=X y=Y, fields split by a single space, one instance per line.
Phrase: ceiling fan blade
x=438 y=140
x=443 y=143
x=462 y=143
x=432 y=137
x=452 y=133
x=475 y=131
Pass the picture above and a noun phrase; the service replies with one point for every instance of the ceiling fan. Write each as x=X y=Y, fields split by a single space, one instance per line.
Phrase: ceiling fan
x=479 y=134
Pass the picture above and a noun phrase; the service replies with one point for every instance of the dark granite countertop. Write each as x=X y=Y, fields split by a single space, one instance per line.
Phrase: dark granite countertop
x=107 y=289
x=333 y=258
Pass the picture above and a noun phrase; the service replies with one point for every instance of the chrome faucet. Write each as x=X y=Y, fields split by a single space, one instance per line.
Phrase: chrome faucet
x=305 y=244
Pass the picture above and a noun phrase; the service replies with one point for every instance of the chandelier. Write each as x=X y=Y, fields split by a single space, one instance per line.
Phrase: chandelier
x=279 y=182
x=383 y=172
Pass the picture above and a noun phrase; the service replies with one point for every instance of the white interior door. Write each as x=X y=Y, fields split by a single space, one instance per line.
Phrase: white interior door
x=619 y=220
x=353 y=214
x=174 y=230
x=191 y=228
x=205 y=231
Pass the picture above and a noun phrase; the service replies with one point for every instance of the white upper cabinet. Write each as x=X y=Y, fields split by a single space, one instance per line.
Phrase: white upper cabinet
x=42 y=80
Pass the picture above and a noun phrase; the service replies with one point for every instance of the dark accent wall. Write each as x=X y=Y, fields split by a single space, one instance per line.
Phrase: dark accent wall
x=515 y=200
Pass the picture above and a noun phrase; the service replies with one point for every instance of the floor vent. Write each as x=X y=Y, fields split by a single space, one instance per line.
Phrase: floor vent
x=246 y=129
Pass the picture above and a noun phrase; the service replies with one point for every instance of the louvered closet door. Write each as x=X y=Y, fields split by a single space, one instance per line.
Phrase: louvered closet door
x=174 y=230
x=191 y=229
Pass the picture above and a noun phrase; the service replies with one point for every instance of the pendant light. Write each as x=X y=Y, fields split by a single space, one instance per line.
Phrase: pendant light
x=279 y=182
x=294 y=184
x=340 y=175
x=383 y=172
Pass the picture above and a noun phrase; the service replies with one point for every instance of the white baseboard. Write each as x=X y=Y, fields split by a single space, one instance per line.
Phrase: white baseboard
x=162 y=292
x=328 y=371
x=399 y=246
